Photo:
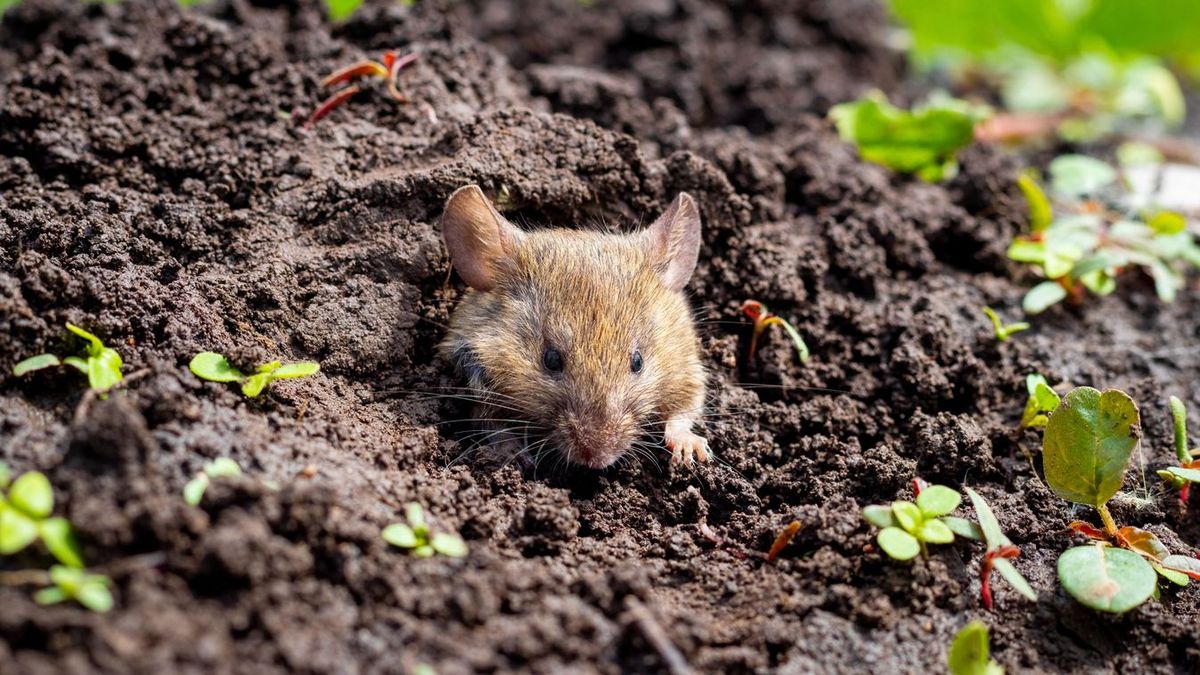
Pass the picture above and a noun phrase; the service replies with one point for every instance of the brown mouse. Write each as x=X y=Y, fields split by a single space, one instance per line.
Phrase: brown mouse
x=581 y=340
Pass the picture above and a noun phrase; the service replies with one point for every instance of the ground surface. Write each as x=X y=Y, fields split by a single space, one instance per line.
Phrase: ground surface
x=155 y=188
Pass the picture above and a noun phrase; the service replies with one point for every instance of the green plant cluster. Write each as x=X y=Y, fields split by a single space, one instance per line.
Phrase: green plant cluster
x=101 y=364
x=216 y=368
x=906 y=527
x=416 y=536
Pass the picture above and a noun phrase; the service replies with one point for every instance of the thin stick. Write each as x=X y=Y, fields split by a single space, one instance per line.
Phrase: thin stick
x=90 y=395
x=657 y=637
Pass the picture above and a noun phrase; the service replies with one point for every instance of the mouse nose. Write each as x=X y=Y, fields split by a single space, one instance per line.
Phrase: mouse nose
x=593 y=444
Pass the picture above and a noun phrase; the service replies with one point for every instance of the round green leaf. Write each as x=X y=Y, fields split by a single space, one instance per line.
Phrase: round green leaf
x=934 y=531
x=49 y=596
x=399 y=534
x=448 y=544
x=879 y=516
x=1105 y=578
x=969 y=652
x=104 y=369
x=1088 y=443
x=193 y=492
x=59 y=538
x=214 y=367
x=31 y=493
x=35 y=363
x=898 y=544
x=937 y=500
x=961 y=527
x=95 y=595
x=302 y=369
x=222 y=467
x=425 y=551
x=414 y=513
x=254 y=384
x=1042 y=296
x=1078 y=175
x=908 y=515
x=17 y=530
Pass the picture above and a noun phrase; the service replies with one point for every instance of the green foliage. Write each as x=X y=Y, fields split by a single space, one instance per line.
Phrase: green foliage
x=340 y=10
x=1089 y=441
x=923 y=141
x=25 y=518
x=997 y=546
x=1188 y=471
x=216 y=368
x=1105 y=578
x=906 y=527
x=416 y=536
x=100 y=364
x=970 y=653
x=1091 y=235
x=1042 y=400
x=1004 y=331
x=90 y=590
x=193 y=492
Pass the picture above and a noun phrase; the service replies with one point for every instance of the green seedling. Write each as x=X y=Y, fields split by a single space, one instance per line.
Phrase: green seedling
x=101 y=364
x=90 y=590
x=1188 y=472
x=906 y=527
x=764 y=319
x=1082 y=237
x=386 y=69
x=1000 y=551
x=416 y=536
x=1003 y=330
x=193 y=492
x=970 y=653
x=214 y=367
x=1086 y=451
x=1042 y=401
x=924 y=141
x=25 y=518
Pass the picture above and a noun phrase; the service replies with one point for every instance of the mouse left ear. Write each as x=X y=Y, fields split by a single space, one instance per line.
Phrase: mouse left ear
x=478 y=238
x=674 y=242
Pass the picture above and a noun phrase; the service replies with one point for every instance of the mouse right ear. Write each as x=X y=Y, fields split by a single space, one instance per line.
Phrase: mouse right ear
x=478 y=238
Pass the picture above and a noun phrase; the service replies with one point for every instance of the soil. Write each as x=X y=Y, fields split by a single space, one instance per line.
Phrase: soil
x=156 y=188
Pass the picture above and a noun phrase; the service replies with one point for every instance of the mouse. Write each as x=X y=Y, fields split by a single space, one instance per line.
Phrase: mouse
x=575 y=341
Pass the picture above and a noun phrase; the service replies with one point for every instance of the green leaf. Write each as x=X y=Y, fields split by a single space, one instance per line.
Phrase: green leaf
x=424 y=551
x=908 y=515
x=1105 y=578
x=399 y=534
x=214 y=367
x=1041 y=297
x=17 y=530
x=935 y=532
x=414 y=513
x=222 y=467
x=59 y=538
x=969 y=652
x=35 y=363
x=1088 y=443
x=1183 y=563
x=992 y=534
x=879 y=516
x=270 y=367
x=922 y=141
x=450 y=545
x=78 y=364
x=1166 y=223
x=94 y=343
x=1046 y=398
x=1189 y=475
x=302 y=369
x=898 y=544
x=961 y=527
x=1040 y=213
x=89 y=590
x=797 y=341
x=254 y=384
x=340 y=10
x=1174 y=576
x=1080 y=175
x=1009 y=573
x=1133 y=153
x=49 y=596
x=1024 y=250
x=104 y=369
x=95 y=596
x=193 y=492
x=32 y=494
x=937 y=500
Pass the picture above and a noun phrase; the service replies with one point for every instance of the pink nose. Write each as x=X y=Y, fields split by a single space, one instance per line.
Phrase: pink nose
x=596 y=447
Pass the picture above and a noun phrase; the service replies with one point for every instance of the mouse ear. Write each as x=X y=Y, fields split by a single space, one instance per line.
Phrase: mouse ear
x=478 y=238
x=675 y=242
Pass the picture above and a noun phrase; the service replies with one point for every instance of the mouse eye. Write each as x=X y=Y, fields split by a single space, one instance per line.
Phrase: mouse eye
x=552 y=360
x=635 y=362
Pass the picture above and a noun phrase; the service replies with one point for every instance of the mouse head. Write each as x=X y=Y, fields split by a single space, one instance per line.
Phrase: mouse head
x=585 y=336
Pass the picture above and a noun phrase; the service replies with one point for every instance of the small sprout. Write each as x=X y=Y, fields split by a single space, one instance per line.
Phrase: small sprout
x=1042 y=401
x=340 y=10
x=906 y=527
x=1000 y=551
x=416 y=536
x=214 y=367
x=1004 y=331
x=785 y=537
x=386 y=69
x=90 y=590
x=220 y=467
x=101 y=364
x=25 y=518
x=763 y=319
x=923 y=142
x=970 y=653
x=1188 y=471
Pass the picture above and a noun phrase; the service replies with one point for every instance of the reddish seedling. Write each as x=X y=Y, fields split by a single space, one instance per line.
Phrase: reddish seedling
x=386 y=69
x=764 y=319
x=1000 y=550
x=785 y=537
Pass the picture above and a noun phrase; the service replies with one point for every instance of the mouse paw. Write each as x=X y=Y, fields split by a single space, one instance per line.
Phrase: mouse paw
x=684 y=445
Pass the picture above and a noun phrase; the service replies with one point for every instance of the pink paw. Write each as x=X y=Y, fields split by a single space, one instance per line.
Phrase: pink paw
x=685 y=446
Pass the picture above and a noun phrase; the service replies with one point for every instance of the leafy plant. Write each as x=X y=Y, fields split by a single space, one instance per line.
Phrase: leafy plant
x=386 y=69
x=90 y=590
x=25 y=517
x=970 y=653
x=1188 y=472
x=416 y=536
x=1042 y=401
x=923 y=141
x=193 y=492
x=1000 y=551
x=216 y=368
x=1003 y=330
x=1086 y=236
x=101 y=365
x=764 y=319
x=906 y=527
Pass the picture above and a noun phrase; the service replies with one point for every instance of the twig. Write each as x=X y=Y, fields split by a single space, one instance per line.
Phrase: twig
x=90 y=395
x=656 y=636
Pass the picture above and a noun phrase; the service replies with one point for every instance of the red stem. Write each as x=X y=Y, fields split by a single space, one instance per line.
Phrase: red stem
x=330 y=103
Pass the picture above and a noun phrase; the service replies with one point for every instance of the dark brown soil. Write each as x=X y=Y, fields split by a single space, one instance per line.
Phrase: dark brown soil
x=156 y=189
